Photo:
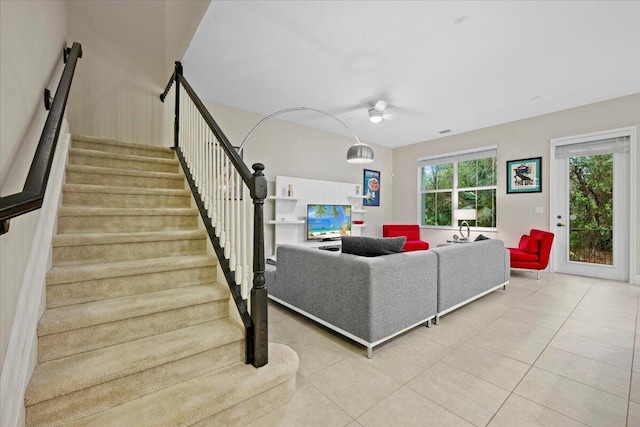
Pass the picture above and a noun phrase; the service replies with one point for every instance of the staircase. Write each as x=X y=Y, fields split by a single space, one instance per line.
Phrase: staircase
x=136 y=329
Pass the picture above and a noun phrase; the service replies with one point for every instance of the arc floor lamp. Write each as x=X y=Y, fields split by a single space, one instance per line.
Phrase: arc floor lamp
x=357 y=153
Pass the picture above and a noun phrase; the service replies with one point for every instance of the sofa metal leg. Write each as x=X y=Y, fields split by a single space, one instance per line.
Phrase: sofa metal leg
x=437 y=319
x=504 y=287
x=538 y=274
x=428 y=325
x=369 y=352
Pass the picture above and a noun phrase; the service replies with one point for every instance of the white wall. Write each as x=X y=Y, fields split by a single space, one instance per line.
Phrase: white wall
x=298 y=151
x=515 y=140
x=129 y=50
x=32 y=36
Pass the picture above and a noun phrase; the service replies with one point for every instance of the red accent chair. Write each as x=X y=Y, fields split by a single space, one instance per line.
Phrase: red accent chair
x=533 y=251
x=412 y=233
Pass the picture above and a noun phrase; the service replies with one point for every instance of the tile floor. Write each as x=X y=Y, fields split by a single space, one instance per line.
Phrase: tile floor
x=561 y=351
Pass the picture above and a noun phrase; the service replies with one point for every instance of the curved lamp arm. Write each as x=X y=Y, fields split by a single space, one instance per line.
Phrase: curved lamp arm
x=368 y=156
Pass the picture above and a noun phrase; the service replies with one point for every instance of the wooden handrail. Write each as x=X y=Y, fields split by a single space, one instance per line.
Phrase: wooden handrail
x=256 y=322
x=32 y=194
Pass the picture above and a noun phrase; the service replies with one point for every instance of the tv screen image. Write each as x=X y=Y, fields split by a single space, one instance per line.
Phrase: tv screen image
x=328 y=222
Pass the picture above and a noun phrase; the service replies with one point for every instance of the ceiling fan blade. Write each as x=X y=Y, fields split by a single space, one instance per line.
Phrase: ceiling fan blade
x=354 y=116
x=380 y=105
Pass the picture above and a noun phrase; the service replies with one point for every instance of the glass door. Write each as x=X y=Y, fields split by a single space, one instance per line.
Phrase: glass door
x=591 y=207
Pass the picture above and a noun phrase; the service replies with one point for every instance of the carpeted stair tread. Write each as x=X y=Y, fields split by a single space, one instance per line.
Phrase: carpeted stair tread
x=78 y=273
x=106 y=189
x=62 y=240
x=124 y=197
x=83 y=220
x=99 y=282
x=77 y=249
x=118 y=156
x=96 y=170
x=94 y=175
x=120 y=146
x=105 y=159
x=94 y=313
x=101 y=211
x=202 y=397
x=61 y=376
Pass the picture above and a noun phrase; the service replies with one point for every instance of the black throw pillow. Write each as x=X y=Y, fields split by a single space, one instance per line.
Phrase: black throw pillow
x=372 y=246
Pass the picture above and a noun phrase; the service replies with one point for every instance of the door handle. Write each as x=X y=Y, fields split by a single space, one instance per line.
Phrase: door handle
x=560 y=225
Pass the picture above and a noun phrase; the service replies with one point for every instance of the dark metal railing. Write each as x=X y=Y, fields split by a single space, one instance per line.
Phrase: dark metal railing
x=200 y=173
x=32 y=194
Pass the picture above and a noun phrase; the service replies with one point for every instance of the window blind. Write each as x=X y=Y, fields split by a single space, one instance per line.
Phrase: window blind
x=460 y=156
x=619 y=144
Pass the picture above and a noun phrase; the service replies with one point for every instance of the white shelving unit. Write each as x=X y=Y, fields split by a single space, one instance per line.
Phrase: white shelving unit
x=356 y=209
x=289 y=220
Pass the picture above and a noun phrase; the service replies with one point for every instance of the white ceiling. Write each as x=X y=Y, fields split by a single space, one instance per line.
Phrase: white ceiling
x=505 y=61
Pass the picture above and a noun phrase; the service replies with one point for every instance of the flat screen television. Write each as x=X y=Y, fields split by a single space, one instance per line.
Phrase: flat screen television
x=328 y=222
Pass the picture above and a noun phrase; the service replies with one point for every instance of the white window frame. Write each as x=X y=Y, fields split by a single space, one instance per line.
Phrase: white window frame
x=454 y=157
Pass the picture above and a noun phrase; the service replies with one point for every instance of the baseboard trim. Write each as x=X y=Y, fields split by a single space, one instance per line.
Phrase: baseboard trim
x=22 y=350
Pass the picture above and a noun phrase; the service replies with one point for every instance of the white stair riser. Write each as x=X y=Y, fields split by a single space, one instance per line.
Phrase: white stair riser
x=82 y=291
x=108 y=148
x=125 y=223
x=100 y=253
x=111 y=180
x=67 y=343
x=116 y=200
x=106 y=395
x=106 y=162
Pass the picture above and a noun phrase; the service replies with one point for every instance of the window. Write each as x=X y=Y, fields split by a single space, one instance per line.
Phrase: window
x=457 y=181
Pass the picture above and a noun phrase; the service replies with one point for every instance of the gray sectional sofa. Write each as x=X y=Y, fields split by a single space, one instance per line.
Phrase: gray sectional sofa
x=373 y=299
x=468 y=271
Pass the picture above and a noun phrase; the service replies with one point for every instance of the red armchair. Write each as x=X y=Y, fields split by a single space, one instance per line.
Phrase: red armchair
x=533 y=251
x=411 y=231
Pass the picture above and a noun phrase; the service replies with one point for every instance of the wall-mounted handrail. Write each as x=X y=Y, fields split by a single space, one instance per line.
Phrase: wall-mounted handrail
x=32 y=194
x=216 y=175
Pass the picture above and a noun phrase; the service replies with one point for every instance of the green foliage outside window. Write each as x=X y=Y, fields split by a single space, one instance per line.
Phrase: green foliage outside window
x=437 y=208
x=591 y=207
x=437 y=204
x=474 y=182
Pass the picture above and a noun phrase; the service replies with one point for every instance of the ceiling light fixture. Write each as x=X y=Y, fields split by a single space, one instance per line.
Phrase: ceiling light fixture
x=358 y=152
x=375 y=116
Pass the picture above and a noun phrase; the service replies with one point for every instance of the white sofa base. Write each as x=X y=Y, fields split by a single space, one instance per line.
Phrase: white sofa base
x=368 y=345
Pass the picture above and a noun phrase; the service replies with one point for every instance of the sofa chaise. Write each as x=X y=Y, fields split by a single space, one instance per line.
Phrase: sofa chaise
x=367 y=299
x=468 y=271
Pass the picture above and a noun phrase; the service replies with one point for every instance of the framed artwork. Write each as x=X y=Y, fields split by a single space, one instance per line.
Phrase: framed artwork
x=371 y=188
x=524 y=175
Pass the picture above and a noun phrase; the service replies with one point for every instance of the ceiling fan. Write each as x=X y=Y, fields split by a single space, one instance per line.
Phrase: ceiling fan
x=376 y=112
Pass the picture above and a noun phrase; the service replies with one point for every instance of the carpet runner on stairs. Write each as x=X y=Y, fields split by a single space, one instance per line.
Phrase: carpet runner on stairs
x=136 y=329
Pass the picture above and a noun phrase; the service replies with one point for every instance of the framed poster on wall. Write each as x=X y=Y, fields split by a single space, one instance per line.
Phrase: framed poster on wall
x=524 y=175
x=371 y=188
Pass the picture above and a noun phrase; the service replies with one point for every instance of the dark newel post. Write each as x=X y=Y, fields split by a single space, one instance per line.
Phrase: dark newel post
x=176 y=124
x=259 y=291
